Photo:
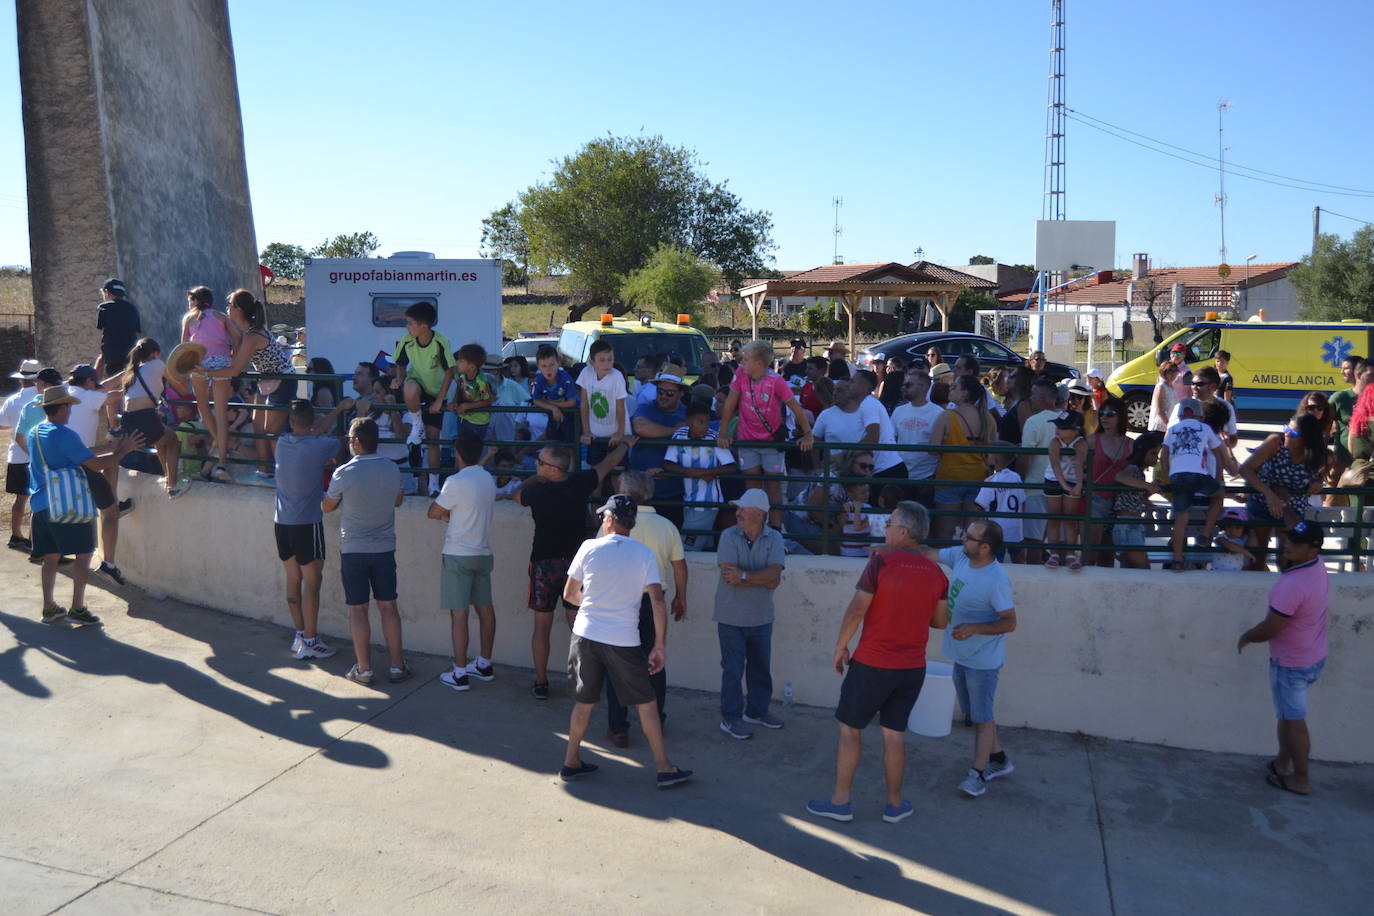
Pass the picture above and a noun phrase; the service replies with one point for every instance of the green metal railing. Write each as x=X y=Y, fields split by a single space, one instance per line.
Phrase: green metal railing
x=829 y=534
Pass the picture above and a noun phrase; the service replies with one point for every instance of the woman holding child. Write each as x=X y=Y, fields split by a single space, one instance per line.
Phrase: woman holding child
x=1284 y=471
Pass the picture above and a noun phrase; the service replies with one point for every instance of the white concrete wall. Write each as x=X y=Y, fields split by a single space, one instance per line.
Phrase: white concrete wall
x=1136 y=655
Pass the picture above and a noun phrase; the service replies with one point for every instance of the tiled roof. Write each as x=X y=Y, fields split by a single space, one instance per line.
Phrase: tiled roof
x=878 y=276
x=950 y=275
x=1115 y=292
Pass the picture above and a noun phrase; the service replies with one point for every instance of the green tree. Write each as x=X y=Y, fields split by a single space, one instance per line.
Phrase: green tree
x=285 y=261
x=961 y=317
x=357 y=245
x=1336 y=280
x=980 y=259
x=672 y=282
x=607 y=208
x=503 y=236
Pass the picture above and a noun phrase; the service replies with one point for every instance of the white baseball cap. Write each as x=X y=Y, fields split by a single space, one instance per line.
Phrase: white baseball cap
x=753 y=499
x=1094 y=373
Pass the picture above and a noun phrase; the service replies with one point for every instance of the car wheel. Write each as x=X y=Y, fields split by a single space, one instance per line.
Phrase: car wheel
x=1137 y=411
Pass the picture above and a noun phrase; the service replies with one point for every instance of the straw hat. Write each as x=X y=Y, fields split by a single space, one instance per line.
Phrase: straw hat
x=57 y=395
x=183 y=358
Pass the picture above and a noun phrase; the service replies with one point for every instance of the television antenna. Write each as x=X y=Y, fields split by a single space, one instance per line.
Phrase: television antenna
x=1221 y=191
x=1052 y=205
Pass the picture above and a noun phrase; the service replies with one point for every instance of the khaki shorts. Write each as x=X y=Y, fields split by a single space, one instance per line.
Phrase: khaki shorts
x=591 y=662
x=465 y=581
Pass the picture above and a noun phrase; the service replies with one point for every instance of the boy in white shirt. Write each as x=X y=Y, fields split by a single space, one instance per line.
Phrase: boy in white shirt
x=1003 y=499
x=603 y=402
x=1187 y=444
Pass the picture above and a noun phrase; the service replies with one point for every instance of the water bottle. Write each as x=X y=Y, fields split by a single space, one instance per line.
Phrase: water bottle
x=787 y=695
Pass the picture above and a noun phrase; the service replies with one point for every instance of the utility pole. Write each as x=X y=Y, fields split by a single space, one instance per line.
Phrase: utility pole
x=1316 y=228
x=1221 y=157
x=837 y=202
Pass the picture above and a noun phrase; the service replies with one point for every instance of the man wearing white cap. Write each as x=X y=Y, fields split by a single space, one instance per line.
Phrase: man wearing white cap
x=751 y=561
x=17 y=471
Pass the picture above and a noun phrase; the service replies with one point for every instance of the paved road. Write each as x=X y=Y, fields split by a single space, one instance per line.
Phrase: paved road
x=180 y=761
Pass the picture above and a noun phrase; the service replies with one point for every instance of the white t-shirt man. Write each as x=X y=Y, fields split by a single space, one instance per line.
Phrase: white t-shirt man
x=1189 y=441
x=9 y=419
x=86 y=413
x=912 y=427
x=1004 y=499
x=470 y=498
x=836 y=425
x=1037 y=433
x=614 y=571
x=601 y=395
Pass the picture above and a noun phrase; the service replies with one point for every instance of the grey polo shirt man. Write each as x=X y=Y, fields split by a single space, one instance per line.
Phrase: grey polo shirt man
x=738 y=605
x=367 y=518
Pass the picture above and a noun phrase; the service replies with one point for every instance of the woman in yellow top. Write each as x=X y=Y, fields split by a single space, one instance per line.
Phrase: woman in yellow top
x=967 y=422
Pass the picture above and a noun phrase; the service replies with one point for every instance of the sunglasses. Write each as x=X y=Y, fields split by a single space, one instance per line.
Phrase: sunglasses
x=1291 y=433
x=547 y=464
x=1201 y=384
x=1106 y=413
x=969 y=537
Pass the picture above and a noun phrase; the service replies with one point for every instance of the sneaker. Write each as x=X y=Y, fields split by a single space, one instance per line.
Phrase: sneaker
x=317 y=649
x=111 y=572
x=359 y=677
x=973 y=785
x=540 y=691
x=767 y=720
x=568 y=774
x=619 y=739
x=735 y=729
x=892 y=814
x=995 y=769
x=260 y=474
x=296 y=642
x=678 y=775
x=18 y=543
x=179 y=488
x=453 y=680
x=824 y=807
x=125 y=507
x=397 y=675
x=484 y=673
x=84 y=617
x=56 y=617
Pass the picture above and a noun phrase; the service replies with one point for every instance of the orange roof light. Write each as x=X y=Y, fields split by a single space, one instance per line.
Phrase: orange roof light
x=607 y=319
x=683 y=318
x=1210 y=316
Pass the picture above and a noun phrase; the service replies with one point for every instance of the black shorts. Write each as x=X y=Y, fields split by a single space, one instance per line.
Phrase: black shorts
x=591 y=662
x=17 y=480
x=430 y=420
x=889 y=693
x=101 y=491
x=302 y=543
x=145 y=421
x=52 y=538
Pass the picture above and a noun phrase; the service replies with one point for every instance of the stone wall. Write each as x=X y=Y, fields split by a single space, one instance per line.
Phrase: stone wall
x=134 y=152
x=1131 y=654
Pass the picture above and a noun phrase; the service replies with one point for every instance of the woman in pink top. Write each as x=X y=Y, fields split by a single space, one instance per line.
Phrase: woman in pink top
x=204 y=325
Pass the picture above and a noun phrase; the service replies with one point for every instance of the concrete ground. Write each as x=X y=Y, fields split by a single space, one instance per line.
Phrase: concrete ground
x=180 y=760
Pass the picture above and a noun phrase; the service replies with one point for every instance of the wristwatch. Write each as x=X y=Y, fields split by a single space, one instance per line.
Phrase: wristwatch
x=744 y=577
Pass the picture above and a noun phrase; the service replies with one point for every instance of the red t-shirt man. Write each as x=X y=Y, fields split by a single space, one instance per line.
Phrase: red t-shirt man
x=906 y=588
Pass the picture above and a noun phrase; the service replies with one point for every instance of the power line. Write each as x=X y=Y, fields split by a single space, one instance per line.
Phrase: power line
x=1229 y=165
x=1212 y=167
x=1343 y=216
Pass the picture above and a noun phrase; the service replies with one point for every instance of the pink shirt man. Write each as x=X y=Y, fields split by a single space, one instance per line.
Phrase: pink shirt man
x=1301 y=595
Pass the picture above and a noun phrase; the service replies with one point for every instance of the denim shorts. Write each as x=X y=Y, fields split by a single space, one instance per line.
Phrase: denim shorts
x=1289 y=686
x=770 y=459
x=1128 y=535
x=953 y=496
x=975 y=688
x=1184 y=488
x=367 y=576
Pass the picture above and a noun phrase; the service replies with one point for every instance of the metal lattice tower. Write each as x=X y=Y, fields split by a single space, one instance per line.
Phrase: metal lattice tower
x=1052 y=206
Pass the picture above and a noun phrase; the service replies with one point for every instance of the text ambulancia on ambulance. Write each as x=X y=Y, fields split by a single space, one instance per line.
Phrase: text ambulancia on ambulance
x=1273 y=364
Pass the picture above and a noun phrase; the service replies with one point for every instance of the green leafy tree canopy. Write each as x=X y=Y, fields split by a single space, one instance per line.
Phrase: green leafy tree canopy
x=607 y=208
x=357 y=245
x=980 y=259
x=1336 y=280
x=285 y=261
x=503 y=236
x=672 y=282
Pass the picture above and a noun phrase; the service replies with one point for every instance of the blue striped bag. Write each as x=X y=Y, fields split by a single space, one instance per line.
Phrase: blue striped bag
x=69 y=495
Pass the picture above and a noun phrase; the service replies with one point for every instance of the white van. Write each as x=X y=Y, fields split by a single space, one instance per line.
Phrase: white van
x=355 y=308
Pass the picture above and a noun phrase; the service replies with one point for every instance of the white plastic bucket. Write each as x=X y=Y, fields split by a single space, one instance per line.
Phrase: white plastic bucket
x=934 y=709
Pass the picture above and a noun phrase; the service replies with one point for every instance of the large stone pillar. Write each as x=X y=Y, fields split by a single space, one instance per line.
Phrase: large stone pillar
x=134 y=148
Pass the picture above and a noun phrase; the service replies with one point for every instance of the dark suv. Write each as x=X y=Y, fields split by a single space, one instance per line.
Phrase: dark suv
x=952 y=345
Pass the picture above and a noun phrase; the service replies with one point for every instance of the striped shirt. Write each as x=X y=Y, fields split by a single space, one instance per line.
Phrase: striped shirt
x=699 y=457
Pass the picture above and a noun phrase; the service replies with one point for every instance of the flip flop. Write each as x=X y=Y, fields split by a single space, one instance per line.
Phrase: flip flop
x=1269 y=765
x=1278 y=782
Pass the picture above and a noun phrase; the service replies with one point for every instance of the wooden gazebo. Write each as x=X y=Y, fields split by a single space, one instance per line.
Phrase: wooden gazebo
x=850 y=284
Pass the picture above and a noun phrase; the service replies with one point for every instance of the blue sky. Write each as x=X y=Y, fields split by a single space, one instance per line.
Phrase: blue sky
x=415 y=119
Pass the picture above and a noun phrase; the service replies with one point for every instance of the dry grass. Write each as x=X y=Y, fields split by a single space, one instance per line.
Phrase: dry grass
x=16 y=294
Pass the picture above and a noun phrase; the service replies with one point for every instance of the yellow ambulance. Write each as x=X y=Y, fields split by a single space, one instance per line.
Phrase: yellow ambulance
x=1273 y=364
